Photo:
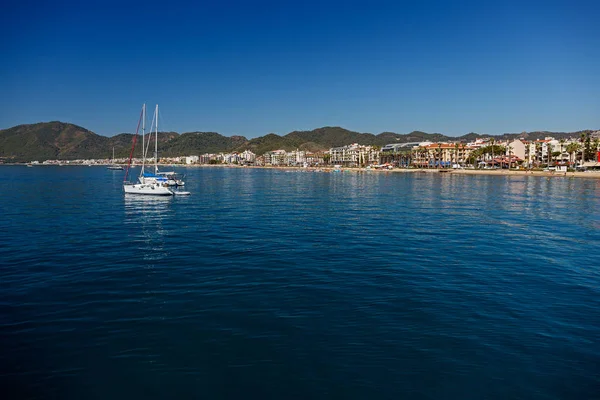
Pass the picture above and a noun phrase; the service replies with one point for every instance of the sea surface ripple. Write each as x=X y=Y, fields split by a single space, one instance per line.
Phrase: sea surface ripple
x=268 y=283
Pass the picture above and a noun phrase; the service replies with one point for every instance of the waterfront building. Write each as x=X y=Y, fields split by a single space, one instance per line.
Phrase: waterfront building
x=541 y=149
x=191 y=159
x=315 y=158
x=519 y=148
x=275 y=157
x=231 y=158
x=248 y=157
x=398 y=154
x=429 y=154
x=354 y=155
x=206 y=158
x=295 y=158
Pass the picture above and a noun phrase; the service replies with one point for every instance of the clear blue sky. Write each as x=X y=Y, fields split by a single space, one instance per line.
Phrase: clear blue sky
x=250 y=68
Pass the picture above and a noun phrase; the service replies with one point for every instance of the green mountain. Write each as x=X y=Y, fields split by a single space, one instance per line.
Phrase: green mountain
x=321 y=139
x=51 y=140
x=261 y=145
x=64 y=141
x=332 y=137
x=201 y=142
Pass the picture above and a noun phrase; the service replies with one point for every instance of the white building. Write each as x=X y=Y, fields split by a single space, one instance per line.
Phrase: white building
x=191 y=159
x=275 y=157
x=248 y=156
x=231 y=158
x=354 y=155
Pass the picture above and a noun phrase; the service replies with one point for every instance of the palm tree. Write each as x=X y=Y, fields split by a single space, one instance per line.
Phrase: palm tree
x=548 y=153
x=439 y=155
x=455 y=153
x=589 y=154
x=406 y=158
x=585 y=146
x=572 y=148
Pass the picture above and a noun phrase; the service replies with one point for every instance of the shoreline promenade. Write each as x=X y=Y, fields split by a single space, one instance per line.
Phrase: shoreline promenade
x=498 y=172
x=503 y=172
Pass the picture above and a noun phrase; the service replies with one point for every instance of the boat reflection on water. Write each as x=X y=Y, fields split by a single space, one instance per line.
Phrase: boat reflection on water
x=141 y=208
x=145 y=219
x=148 y=202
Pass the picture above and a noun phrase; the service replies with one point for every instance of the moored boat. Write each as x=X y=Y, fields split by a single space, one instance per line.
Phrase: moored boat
x=153 y=187
x=172 y=178
x=113 y=165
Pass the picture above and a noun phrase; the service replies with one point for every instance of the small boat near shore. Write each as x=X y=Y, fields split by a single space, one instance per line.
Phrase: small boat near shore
x=114 y=166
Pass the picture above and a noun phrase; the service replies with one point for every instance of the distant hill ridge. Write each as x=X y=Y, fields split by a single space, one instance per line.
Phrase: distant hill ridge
x=65 y=141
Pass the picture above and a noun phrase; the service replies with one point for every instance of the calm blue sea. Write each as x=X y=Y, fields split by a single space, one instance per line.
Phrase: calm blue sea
x=300 y=285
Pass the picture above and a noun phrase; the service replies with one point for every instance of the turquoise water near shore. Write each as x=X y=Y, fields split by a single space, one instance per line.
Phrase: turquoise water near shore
x=293 y=284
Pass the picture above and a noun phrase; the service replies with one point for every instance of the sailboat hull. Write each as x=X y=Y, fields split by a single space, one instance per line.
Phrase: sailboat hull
x=149 y=189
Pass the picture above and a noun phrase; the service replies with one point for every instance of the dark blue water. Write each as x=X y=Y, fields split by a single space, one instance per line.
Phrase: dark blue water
x=274 y=284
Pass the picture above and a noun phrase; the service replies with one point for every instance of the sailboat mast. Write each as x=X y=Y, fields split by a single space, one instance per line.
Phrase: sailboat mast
x=156 y=144
x=143 y=138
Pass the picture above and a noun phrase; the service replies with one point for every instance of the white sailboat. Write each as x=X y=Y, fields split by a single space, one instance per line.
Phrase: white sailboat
x=146 y=185
x=113 y=165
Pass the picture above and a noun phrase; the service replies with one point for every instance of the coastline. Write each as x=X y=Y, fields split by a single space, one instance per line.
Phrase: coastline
x=595 y=175
x=592 y=175
x=499 y=172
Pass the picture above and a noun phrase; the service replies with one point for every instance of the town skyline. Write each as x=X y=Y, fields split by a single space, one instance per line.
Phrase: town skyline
x=493 y=153
x=69 y=141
